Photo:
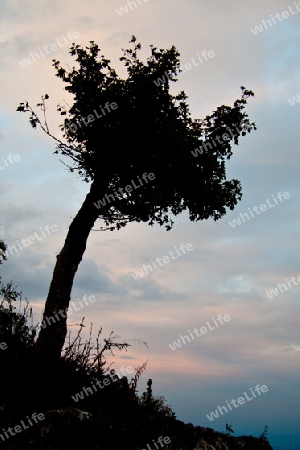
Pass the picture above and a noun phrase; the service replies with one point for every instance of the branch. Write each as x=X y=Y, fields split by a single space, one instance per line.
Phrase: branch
x=34 y=120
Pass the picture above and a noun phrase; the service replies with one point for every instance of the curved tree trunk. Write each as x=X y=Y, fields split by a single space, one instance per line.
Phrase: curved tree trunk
x=52 y=337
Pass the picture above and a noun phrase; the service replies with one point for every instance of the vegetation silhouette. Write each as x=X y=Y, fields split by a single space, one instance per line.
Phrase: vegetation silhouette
x=115 y=417
x=149 y=132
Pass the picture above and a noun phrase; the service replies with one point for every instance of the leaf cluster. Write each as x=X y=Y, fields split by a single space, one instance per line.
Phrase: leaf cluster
x=150 y=131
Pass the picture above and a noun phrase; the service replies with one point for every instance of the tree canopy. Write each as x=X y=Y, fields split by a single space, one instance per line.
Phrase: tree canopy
x=135 y=143
x=148 y=131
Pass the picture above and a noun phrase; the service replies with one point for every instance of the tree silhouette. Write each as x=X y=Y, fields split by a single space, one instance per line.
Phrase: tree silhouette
x=134 y=141
x=2 y=251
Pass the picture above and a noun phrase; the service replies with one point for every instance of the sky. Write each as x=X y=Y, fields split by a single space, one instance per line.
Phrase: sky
x=245 y=267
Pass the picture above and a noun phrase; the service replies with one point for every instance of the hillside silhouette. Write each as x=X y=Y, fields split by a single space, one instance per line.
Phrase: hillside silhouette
x=61 y=405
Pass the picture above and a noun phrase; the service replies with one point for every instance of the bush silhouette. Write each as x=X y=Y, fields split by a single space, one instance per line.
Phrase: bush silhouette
x=114 y=417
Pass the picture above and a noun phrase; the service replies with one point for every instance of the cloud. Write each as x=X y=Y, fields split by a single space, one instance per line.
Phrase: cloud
x=229 y=270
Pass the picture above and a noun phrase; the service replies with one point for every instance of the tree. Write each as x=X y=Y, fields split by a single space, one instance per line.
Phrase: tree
x=264 y=436
x=134 y=142
x=229 y=429
x=155 y=406
x=15 y=328
x=15 y=322
x=2 y=251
